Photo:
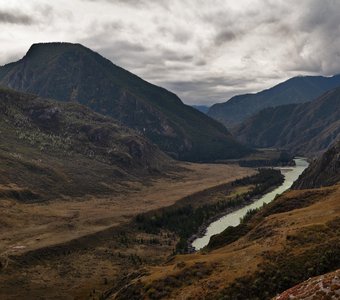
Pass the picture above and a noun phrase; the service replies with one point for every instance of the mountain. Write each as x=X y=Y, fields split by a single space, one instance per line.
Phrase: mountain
x=295 y=90
x=301 y=128
x=202 y=108
x=49 y=149
x=324 y=171
x=73 y=73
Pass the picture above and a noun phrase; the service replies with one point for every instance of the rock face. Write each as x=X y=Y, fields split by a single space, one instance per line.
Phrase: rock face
x=295 y=90
x=324 y=171
x=66 y=148
x=304 y=129
x=73 y=73
x=321 y=287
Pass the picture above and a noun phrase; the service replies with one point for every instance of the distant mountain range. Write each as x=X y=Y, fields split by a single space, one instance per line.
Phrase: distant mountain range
x=202 y=108
x=52 y=149
x=301 y=128
x=295 y=90
x=73 y=73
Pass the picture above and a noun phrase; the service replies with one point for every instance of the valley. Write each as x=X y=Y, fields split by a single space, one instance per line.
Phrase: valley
x=67 y=218
x=91 y=209
x=283 y=246
x=170 y=150
x=287 y=241
x=234 y=218
x=67 y=232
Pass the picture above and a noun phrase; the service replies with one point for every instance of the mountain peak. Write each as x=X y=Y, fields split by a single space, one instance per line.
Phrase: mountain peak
x=46 y=51
x=73 y=73
x=60 y=46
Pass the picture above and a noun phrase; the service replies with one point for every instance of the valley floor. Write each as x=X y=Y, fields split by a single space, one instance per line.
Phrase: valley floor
x=73 y=247
x=293 y=238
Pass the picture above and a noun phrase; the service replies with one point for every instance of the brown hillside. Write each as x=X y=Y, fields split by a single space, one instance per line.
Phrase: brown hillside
x=285 y=246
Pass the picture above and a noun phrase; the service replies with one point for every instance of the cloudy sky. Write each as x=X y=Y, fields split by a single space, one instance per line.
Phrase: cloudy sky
x=205 y=51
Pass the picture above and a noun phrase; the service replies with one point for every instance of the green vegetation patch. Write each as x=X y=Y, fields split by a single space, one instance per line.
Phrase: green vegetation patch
x=184 y=219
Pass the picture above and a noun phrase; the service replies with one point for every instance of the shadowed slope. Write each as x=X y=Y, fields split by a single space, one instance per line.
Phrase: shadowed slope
x=73 y=73
x=324 y=171
x=56 y=149
x=301 y=128
x=295 y=90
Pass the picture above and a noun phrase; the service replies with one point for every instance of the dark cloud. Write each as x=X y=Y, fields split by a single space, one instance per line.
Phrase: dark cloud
x=177 y=34
x=15 y=18
x=200 y=91
x=123 y=53
x=206 y=51
x=134 y=3
x=256 y=44
x=224 y=37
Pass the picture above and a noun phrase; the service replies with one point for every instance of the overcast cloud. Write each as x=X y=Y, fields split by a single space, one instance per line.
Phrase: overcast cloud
x=205 y=51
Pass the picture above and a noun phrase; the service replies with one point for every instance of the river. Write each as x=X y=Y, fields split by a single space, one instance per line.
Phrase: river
x=233 y=219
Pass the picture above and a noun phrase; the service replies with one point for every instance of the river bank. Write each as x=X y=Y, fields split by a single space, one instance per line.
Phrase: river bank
x=203 y=228
x=232 y=217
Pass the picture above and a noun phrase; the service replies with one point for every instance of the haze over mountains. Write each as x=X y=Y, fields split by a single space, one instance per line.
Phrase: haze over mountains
x=73 y=73
x=301 y=128
x=295 y=90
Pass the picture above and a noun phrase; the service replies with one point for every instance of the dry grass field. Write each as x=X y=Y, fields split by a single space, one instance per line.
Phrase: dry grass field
x=76 y=247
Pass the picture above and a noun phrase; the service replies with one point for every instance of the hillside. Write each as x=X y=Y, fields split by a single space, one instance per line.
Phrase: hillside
x=49 y=149
x=73 y=73
x=301 y=128
x=288 y=241
x=71 y=184
x=324 y=171
x=295 y=90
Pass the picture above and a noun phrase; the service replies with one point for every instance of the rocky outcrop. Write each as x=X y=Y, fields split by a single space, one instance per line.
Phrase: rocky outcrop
x=321 y=287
